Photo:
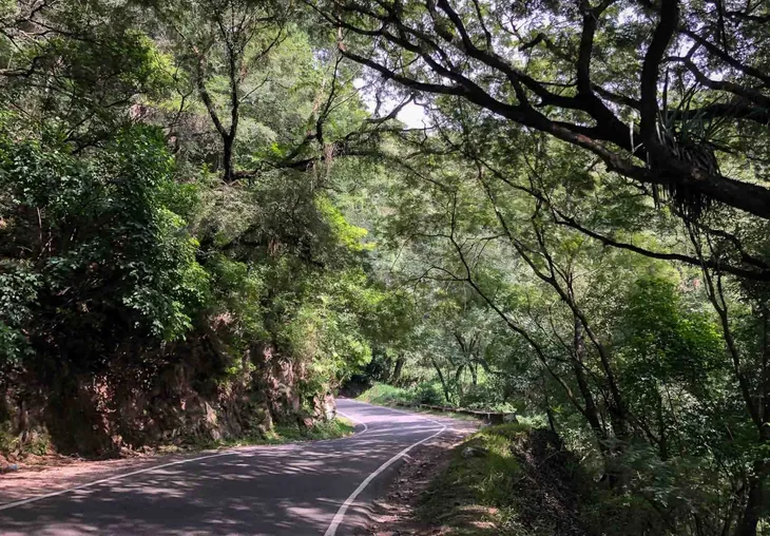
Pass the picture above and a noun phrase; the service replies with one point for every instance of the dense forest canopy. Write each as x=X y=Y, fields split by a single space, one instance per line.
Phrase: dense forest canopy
x=658 y=92
x=212 y=218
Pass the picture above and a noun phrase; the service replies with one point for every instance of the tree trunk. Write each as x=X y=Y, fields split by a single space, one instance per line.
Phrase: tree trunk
x=444 y=385
x=591 y=412
x=755 y=503
x=663 y=443
x=400 y=362
x=227 y=159
x=551 y=419
x=459 y=381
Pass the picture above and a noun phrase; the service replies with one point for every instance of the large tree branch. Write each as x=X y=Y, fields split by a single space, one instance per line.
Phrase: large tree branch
x=727 y=58
x=756 y=275
x=608 y=138
x=664 y=31
x=759 y=114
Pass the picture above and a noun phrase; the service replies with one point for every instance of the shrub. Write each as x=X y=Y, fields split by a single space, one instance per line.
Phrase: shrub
x=429 y=393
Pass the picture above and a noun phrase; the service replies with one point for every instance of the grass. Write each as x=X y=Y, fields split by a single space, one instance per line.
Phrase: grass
x=475 y=495
x=334 y=429
x=339 y=427
x=383 y=394
x=386 y=395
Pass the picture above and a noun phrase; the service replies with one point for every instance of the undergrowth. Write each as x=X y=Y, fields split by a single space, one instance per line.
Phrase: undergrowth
x=386 y=395
x=336 y=428
x=505 y=480
x=467 y=497
x=429 y=393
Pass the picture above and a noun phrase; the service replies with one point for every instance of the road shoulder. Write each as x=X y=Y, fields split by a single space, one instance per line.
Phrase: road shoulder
x=393 y=513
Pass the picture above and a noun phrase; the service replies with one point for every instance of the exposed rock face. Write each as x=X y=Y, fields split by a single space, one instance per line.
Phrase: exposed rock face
x=277 y=380
x=191 y=391
x=325 y=407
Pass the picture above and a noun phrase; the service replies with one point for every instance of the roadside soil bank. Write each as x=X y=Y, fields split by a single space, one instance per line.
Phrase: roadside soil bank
x=508 y=479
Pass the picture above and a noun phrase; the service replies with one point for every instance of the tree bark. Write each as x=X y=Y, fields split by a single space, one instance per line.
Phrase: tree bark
x=444 y=385
x=755 y=503
x=400 y=362
x=227 y=159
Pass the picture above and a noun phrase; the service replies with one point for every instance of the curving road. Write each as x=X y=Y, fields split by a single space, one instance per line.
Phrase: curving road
x=319 y=488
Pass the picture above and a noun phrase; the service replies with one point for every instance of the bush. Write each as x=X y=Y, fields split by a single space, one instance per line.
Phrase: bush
x=384 y=394
x=425 y=393
x=485 y=396
x=429 y=393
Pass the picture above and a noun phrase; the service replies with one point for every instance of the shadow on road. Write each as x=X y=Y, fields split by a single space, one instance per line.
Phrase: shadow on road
x=291 y=489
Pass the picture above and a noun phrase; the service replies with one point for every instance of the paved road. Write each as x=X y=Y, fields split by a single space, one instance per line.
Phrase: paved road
x=294 y=489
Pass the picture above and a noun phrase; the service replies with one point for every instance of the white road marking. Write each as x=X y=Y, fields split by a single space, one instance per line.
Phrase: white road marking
x=351 y=418
x=413 y=413
x=340 y=515
x=22 y=502
x=14 y=504
x=331 y=531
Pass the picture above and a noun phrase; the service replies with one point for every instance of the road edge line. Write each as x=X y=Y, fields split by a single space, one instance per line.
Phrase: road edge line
x=413 y=413
x=340 y=515
x=21 y=502
x=353 y=419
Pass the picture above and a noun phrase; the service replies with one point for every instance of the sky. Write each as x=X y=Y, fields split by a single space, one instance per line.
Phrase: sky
x=412 y=115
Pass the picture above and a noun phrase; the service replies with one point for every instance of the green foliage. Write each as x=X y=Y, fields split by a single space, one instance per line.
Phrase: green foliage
x=103 y=242
x=348 y=235
x=661 y=340
x=476 y=494
x=485 y=396
x=384 y=395
x=18 y=292
x=198 y=191
x=428 y=393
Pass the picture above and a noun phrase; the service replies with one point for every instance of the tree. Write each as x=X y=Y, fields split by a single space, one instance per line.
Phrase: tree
x=672 y=119
x=616 y=335
x=73 y=71
x=223 y=39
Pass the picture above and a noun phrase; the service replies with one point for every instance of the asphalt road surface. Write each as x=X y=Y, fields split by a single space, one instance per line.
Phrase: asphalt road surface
x=319 y=488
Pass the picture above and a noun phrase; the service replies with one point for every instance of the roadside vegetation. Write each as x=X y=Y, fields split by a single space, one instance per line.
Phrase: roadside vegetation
x=214 y=214
x=412 y=400
x=336 y=428
x=385 y=395
x=429 y=393
x=181 y=262
x=333 y=429
x=510 y=480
